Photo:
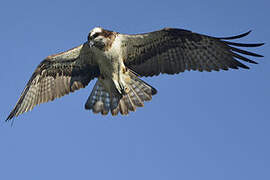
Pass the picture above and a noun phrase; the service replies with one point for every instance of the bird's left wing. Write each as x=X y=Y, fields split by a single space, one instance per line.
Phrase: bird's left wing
x=173 y=51
x=56 y=76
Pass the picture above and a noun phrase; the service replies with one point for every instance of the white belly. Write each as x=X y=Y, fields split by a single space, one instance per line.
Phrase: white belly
x=113 y=73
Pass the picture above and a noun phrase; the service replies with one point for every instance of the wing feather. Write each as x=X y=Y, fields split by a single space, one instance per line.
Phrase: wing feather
x=57 y=76
x=173 y=51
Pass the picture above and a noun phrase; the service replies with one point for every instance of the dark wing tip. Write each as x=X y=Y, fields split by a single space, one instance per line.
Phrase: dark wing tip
x=237 y=53
x=240 y=44
x=153 y=91
x=10 y=116
x=244 y=44
x=13 y=113
x=235 y=37
x=233 y=46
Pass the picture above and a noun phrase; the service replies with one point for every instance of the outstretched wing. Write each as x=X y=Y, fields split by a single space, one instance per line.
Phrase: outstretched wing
x=56 y=76
x=176 y=50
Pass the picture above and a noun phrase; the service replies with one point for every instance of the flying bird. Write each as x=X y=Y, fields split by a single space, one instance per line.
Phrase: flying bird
x=119 y=60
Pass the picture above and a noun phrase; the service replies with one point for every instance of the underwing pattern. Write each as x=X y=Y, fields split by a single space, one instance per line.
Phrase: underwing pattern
x=118 y=60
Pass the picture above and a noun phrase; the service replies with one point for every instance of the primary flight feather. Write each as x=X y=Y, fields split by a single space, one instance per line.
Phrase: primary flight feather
x=117 y=60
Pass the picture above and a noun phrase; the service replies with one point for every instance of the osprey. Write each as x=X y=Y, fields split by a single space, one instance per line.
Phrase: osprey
x=118 y=60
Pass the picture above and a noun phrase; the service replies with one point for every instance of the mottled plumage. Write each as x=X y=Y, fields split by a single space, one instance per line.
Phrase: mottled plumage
x=117 y=59
x=173 y=51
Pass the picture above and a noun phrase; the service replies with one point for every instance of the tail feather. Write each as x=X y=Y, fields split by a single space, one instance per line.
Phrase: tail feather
x=123 y=107
x=130 y=105
x=101 y=101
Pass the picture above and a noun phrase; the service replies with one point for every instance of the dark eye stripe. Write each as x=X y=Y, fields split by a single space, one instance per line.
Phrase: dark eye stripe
x=95 y=35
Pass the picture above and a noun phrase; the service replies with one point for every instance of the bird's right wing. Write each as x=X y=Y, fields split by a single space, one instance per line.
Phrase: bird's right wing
x=56 y=76
x=173 y=51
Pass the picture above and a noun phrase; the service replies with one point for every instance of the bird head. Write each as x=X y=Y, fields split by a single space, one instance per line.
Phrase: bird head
x=100 y=38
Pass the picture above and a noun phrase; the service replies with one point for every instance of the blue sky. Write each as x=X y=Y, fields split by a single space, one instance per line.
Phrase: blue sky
x=205 y=126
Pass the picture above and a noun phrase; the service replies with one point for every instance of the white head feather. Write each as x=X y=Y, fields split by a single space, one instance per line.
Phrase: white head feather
x=96 y=30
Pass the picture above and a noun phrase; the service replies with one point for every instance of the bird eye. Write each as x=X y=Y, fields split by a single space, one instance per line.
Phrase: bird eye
x=95 y=35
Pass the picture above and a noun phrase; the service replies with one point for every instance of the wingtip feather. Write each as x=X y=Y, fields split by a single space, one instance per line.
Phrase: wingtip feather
x=237 y=36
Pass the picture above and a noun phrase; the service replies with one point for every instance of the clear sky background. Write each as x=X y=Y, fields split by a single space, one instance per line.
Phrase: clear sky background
x=209 y=126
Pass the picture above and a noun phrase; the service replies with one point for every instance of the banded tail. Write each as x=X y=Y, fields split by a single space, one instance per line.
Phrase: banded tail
x=101 y=101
